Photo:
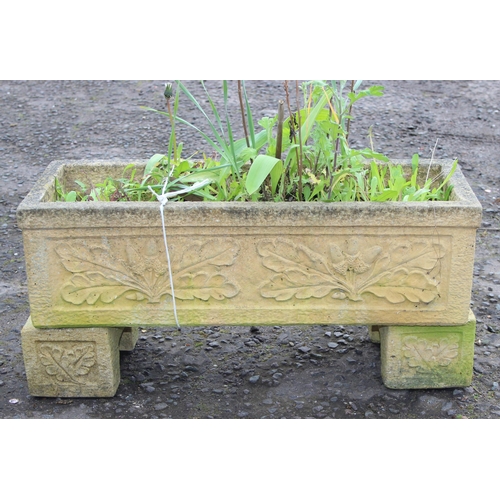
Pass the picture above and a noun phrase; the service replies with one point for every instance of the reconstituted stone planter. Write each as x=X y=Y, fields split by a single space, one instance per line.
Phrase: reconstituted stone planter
x=103 y=265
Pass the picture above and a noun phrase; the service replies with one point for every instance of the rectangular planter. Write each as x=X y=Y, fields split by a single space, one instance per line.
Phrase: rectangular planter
x=93 y=264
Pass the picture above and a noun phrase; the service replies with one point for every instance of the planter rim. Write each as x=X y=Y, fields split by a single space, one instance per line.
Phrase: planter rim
x=34 y=211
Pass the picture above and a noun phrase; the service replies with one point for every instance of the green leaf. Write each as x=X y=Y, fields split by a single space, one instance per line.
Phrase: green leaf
x=201 y=175
x=82 y=185
x=373 y=187
x=368 y=153
x=449 y=176
x=71 y=196
x=219 y=143
x=152 y=162
x=375 y=90
x=387 y=194
x=251 y=125
x=306 y=192
x=263 y=166
x=414 y=161
x=247 y=154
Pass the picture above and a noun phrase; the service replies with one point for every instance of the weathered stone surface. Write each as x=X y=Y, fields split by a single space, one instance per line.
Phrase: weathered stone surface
x=374 y=333
x=104 y=264
x=129 y=338
x=419 y=357
x=71 y=362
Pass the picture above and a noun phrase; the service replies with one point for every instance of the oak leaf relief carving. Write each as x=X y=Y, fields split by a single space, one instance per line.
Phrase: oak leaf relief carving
x=408 y=272
x=100 y=273
x=424 y=354
x=67 y=362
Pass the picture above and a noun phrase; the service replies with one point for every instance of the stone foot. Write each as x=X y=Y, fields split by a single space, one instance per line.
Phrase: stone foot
x=129 y=338
x=427 y=357
x=73 y=362
x=374 y=333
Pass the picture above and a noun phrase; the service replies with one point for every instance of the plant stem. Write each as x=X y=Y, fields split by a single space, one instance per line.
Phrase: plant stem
x=243 y=113
x=300 y=139
x=335 y=155
x=279 y=134
x=172 y=124
x=349 y=115
x=430 y=162
x=292 y=123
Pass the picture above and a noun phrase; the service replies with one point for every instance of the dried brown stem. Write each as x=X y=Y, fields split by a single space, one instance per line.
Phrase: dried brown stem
x=243 y=119
x=349 y=116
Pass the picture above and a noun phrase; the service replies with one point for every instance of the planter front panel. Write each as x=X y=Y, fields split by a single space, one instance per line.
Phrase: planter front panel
x=95 y=264
x=374 y=276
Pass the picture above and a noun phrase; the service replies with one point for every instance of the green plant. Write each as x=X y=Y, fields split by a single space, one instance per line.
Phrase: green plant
x=230 y=172
x=395 y=185
x=303 y=157
x=134 y=187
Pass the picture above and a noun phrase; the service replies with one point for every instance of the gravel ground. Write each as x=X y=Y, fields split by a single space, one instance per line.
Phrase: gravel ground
x=319 y=372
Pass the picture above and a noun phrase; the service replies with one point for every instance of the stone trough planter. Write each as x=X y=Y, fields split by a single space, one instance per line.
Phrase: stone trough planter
x=103 y=265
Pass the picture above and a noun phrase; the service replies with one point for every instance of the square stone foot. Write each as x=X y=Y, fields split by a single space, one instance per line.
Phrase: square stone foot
x=71 y=362
x=374 y=333
x=129 y=338
x=427 y=357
